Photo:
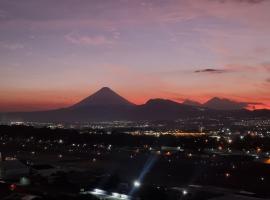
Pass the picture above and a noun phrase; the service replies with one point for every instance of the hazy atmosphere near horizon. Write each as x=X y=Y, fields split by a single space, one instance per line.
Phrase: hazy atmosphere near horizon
x=55 y=53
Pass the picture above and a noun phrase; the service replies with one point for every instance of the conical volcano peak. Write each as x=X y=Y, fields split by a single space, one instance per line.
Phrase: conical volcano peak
x=105 y=89
x=104 y=97
x=106 y=92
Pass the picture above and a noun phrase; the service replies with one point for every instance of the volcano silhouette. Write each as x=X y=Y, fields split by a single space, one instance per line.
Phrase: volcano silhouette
x=107 y=105
x=103 y=97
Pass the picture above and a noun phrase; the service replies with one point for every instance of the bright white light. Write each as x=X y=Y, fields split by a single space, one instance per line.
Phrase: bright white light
x=99 y=191
x=114 y=194
x=137 y=184
x=184 y=192
x=123 y=196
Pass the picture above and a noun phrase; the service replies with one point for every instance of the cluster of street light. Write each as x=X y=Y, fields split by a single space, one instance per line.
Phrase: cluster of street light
x=115 y=195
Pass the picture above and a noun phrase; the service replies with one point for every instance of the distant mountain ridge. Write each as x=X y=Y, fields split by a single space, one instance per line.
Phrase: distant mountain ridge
x=224 y=104
x=107 y=105
x=191 y=103
x=218 y=104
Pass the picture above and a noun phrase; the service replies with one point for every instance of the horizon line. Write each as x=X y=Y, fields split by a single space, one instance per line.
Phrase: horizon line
x=136 y=104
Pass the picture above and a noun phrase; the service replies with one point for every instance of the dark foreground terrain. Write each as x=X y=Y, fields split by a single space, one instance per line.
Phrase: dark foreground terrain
x=71 y=164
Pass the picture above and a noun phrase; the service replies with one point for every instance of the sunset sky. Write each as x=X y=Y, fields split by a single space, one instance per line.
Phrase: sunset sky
x=53 y=53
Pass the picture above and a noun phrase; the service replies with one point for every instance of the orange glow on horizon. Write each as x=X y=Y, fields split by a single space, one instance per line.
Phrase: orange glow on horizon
x=27 y=102
x=143 y=50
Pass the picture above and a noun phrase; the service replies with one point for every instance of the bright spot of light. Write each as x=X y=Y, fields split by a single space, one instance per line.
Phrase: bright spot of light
x=99 y=191
x=267 y=161
x=123 y=196
x=184 y=192
x=137 y=184
x=114 y=194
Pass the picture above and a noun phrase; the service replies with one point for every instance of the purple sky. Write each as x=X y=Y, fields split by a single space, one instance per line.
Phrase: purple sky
x=55 y=52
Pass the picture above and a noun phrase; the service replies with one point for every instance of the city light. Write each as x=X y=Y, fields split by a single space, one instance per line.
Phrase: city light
x=184 y=192
x=120 y=196
x=98 y=192
x=123 y=196
x=137 y=184
x=116 y=195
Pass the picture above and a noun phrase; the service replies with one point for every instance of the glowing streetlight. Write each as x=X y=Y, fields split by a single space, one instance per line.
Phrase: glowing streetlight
x=137 y=184
x=184 y=192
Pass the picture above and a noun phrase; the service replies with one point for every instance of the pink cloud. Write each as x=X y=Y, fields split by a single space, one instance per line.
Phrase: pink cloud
x=263 y=68
x=211 y=71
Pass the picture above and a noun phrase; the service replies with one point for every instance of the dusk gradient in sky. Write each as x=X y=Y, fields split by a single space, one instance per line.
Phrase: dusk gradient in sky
x=53 y=53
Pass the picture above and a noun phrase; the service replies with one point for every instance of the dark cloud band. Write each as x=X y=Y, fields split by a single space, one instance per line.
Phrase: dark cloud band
x=211 y=71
